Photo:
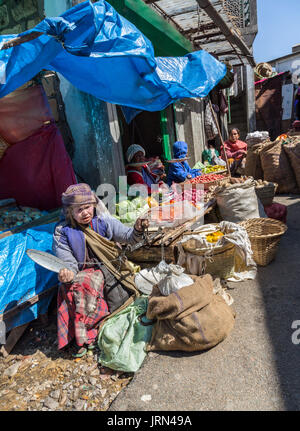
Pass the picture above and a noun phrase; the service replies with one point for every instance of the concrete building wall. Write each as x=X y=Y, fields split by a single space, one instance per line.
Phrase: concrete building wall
x=291 y=64
x=189 y=117
x=97 y=157
x=18 y=16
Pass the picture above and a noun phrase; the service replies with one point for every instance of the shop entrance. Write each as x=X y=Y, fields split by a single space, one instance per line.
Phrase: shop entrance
x=144 y=130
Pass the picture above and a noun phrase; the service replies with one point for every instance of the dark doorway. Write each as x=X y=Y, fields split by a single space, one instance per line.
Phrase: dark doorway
x=144 y=130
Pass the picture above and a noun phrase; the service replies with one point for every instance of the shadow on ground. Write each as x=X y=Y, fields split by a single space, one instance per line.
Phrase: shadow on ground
x=280 y=287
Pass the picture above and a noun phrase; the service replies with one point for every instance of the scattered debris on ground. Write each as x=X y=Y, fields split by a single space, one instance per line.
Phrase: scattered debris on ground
x=36 y=376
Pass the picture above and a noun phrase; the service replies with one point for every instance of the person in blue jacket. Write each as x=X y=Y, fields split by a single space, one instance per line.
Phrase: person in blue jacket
x=180 y=171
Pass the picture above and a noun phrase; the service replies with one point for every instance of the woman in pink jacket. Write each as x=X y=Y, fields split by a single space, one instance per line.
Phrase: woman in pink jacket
x=235 y=149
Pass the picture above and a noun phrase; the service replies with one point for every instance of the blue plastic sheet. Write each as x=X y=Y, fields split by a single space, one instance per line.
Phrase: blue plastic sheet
x=103 y=54
x=21 y=278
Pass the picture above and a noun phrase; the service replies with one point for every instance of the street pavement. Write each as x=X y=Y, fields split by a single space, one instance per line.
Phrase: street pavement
x=256 y=368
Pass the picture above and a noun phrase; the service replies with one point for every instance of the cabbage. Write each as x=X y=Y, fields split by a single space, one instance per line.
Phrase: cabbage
x=129 y=217
x=138 y=202
x=124 y=207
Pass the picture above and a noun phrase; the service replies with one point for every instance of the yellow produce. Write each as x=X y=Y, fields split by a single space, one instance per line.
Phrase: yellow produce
x=214 y=236
x=209 y=169
x=152 y=202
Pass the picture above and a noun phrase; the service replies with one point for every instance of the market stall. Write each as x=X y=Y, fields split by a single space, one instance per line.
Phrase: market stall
x=188 y=254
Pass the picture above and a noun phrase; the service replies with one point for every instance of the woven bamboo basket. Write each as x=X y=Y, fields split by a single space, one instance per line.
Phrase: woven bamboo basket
x=263 y=71
x=264 y=235
x=266 y=193
x=219 y=262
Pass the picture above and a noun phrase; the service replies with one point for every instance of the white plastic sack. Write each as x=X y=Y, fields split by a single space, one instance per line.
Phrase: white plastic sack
x=239 y=202
x=173 y=278
x=256 y=138
x=218 y=161
x=168 y=277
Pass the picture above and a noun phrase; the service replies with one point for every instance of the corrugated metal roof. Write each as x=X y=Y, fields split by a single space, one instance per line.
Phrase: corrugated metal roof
x=211 y=25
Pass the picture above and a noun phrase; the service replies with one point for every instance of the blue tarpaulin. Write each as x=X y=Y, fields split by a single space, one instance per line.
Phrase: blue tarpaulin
x=21 y=278
x=103 y=54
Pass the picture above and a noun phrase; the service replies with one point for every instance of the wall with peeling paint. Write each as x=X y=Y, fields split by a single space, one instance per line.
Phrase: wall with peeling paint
x=97 y=155
x=94 y=158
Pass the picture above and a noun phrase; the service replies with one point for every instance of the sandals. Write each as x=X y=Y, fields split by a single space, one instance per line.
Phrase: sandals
x=91 y=346
x=80 y=353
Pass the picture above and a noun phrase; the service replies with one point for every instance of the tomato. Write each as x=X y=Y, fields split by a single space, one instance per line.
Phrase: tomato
x=206 y=178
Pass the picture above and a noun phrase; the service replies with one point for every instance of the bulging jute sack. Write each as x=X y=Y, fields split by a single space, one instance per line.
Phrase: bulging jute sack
x=253 y=165
x=191 y=319
x=292 y=149
x=277 y=168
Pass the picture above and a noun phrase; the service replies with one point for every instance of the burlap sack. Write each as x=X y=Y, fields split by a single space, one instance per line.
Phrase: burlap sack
x=191 y=319
x=253 y=165
x=292 y=149
x=277 y=168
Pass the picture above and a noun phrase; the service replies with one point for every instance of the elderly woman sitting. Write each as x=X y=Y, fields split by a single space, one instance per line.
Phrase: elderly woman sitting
x=140 y=174
x=92 y=285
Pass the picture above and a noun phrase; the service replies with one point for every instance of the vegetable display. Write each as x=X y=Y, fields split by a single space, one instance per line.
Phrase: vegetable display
x=214 y=236
x=193 y=196
x=128 y=211
x=210 y=169
x=206 y=178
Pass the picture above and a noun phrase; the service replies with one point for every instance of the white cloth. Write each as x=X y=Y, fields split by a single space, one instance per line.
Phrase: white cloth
x=245 y=268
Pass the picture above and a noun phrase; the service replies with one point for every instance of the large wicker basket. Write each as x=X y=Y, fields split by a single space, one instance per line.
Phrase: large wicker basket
x=266 y=193
x=219 y=262
x=264 y=235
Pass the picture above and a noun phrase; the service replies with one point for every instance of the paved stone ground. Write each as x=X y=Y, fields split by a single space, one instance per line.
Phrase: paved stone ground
x=256 y=368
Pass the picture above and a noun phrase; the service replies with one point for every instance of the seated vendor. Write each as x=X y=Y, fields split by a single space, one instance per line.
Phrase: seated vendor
x=139 y=174
x=81 y=241
x=180 y=171
x=235 y=149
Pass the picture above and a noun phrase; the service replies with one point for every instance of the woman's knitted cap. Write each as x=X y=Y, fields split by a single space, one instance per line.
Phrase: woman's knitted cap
x=132 y=150
x=78 y=194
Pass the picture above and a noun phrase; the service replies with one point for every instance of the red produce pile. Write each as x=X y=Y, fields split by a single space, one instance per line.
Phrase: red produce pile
x=206 y=178
x=276 y=211
x=192 y=195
